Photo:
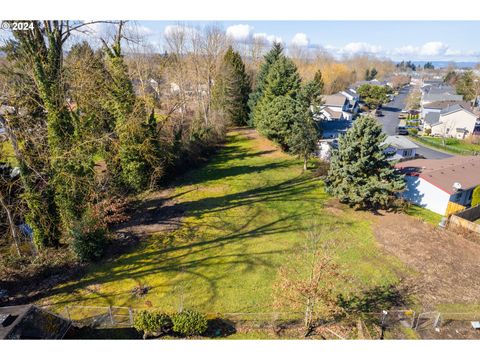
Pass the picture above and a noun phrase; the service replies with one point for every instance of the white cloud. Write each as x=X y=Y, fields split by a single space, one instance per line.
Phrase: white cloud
x=240 y=32
x=300 y=39
x=360 y=48
x=430 y=49
x=433 y=48
x=267 y=38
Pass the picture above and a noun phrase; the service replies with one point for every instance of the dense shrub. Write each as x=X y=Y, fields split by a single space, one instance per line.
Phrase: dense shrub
x=189 y=323
x=413 y=132
x=89 y=238
x=152 y=323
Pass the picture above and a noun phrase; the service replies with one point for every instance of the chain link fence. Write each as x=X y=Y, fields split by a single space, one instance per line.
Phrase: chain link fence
x=427 y=325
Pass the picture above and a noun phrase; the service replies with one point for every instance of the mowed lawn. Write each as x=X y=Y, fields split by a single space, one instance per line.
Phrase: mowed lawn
x=246 y=211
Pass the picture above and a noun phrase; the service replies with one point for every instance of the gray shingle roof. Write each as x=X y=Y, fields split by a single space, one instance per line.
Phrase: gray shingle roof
x=400 y=143
x=444 y=104
x=432 y=118
x=442 y=97
x=452 y=109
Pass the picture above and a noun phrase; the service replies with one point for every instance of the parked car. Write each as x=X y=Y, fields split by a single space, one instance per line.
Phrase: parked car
x=378 y=113
x=401 y=130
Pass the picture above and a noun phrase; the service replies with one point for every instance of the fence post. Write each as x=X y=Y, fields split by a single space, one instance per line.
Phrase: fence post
x=68 y=313
x=437 y=320
x=130 y=315
x=111 y=315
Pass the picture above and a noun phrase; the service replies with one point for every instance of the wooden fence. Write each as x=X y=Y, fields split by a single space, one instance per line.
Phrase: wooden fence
x=466 y=218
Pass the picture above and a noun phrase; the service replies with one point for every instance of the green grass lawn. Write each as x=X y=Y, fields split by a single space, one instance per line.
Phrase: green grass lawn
x=246 y=212
x=424 y=214
x=455 y=146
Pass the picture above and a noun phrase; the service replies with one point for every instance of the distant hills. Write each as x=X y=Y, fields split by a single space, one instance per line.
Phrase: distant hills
x=444 y=64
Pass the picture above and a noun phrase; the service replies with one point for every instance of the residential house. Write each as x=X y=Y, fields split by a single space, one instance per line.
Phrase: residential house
x=371 y=82
x=443 y=96
x=337 y=107
x=453 y=121
x=437 y=106
x=333 y=129
x=31 y=322
x=400 y=148
x=443 y=186
x=353 y=99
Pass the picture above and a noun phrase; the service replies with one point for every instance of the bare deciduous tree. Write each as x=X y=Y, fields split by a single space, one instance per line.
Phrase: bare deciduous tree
x=310 y=281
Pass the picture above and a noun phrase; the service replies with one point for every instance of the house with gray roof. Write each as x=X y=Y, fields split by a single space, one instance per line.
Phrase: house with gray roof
x=444 y=96
x=437 y=106
x=400 y=148
x=453 y=121
x=338 y=107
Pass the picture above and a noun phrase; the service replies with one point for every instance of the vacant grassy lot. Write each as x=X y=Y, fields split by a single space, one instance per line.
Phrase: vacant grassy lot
x=243 y=214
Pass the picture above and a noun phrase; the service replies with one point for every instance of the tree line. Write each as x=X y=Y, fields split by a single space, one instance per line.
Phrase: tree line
x=90 y=126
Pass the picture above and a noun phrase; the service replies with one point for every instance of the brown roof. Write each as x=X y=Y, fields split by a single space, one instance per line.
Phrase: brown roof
x=443 y=173
x=333 y=114
x=444 y=104
x=334 y=100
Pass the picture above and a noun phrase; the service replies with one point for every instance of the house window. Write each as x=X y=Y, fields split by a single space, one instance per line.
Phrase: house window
x=407 y=152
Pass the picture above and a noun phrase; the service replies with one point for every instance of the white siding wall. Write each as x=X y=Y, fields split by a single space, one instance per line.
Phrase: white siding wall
x=407 y=153
x=450 y=122
x=422 y=193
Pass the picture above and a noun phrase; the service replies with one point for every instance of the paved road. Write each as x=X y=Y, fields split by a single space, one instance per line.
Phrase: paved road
x=390 y=122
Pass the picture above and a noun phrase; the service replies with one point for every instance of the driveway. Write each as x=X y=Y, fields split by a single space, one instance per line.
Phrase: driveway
x=390 y=122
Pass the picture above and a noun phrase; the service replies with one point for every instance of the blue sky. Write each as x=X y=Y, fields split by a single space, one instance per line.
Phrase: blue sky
x=415 y=40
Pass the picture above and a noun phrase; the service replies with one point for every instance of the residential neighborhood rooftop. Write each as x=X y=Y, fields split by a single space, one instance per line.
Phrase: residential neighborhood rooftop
x=400 y=142
x=444 y=104
x=442 y=97
x=443 y=173
x=453 y=108
x=432 y=118
x=334 y=114
x=334 y=100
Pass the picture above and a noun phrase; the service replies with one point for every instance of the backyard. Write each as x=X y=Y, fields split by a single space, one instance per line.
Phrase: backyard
x=214 y=241
x=455 y=146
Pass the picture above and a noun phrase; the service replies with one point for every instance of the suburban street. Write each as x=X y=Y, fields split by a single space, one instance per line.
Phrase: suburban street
x=390 y=121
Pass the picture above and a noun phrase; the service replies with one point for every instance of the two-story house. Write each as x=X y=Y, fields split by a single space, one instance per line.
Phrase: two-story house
x=453 y=121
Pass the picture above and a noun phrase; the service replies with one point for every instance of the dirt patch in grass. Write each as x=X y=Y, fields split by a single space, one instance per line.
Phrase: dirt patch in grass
x=157 y=212
x=447 y=263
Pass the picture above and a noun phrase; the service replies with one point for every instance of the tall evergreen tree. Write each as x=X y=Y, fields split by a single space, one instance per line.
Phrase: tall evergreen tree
x=303 y=137
x=312 y=91
x=466 y=86
x=232 y=89
x=367 y=74
x=269 y=59
x=281 y=102
x=132 y=161
x=359 y=173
